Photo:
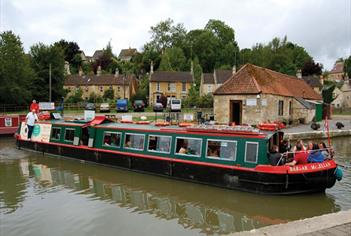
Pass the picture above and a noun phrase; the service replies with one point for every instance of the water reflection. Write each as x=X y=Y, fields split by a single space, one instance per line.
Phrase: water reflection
x=209 y=209
x=25 y=176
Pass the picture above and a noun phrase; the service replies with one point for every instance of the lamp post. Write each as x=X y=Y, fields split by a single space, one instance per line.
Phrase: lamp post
x=124 y=88
x=50 y=82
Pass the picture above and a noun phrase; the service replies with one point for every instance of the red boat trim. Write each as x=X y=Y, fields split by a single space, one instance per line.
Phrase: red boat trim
x=298 y=169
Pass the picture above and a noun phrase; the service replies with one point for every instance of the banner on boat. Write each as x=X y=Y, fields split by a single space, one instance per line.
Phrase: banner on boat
x=41 y=132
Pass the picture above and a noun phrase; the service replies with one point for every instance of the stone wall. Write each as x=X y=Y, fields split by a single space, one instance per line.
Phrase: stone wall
x=260 y=108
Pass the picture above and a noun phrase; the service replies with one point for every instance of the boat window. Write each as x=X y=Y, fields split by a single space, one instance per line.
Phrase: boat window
x=112 y=139
x=69 y=135
x=189 y=146
x=159 y=143
x=56 y=133
x=251 y=152
x=221 y=149
x=134 y=141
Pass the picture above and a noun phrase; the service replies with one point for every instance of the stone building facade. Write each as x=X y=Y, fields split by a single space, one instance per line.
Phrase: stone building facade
x=211 y=81
x=123 y=86
x=254 y=95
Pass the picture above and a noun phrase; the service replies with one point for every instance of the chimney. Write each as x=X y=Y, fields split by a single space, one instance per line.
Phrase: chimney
x=321 y=80
x=234 y=70
x=151 y=67
x=116 y=72
x=299 y=74
x=80 y=72
x=98 y=72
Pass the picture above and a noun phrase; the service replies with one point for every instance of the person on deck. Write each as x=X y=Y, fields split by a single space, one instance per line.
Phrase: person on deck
x=300 y=156
x=30 y=120
x=315 y=155
x=34 y=106
x=275 y=158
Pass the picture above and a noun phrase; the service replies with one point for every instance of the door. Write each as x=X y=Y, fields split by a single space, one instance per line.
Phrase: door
x=236 y=111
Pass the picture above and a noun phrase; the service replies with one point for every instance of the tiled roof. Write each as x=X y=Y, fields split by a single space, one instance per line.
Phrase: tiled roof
x=97 y=54
x=223 y=75
x=338 y=67
x=208 y=78
x=166 y=76
x=127 y=52
x=74 y=80
x=251 y=79
x=312 y=81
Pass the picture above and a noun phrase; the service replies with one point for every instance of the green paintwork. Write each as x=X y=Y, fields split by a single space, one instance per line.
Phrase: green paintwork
x=319 y=112
x=98 y=135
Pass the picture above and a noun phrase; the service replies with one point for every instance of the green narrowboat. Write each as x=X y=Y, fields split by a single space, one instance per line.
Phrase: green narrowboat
x=234 y=157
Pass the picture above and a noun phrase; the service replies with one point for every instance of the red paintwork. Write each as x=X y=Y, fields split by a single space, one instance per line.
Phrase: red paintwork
x=15 y=120
x=299 y=169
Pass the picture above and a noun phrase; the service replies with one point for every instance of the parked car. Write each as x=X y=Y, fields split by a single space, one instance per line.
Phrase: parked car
x=105 y=107
x=158 y=107
x=90 y=106
x=122 y=105
x=138 y=105
x=175 y=104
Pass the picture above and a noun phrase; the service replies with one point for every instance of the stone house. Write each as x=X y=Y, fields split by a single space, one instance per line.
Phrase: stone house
x=211 y=81
x=337 y=73
x=343 y=96
x=127 y=54
x=170 y=84
x=254 y=95
x=123 y=86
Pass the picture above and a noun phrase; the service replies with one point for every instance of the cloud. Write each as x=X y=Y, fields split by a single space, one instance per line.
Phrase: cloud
x=321 y=26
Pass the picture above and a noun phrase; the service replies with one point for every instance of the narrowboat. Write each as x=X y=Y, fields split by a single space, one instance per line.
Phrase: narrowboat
x=9 y=123
x=234 y=157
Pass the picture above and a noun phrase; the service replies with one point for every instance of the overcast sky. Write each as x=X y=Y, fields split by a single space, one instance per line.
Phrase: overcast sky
x=322 y=27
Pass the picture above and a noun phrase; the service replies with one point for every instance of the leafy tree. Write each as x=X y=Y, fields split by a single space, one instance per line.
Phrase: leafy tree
x=173 y=59
x=106 y=60
x=109 y=94
x=42 y=56
x=70 y=49
x=347 y=66
x=15 y=71
x=205 y=101
x=76 y=97
x=311 y=68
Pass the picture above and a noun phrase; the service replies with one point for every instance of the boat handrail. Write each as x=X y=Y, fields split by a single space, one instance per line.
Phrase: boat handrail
x=224 y=128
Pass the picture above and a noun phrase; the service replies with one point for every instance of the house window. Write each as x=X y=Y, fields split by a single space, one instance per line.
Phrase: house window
x=171 y=87
x=86 y=88
x=189 y=146
x=209 y=88
x=111 y=87
x=158 y=86
x=69 y=135
x=56 y=133
x=251 y=152
x=101 y=89
x=183 y=87
x=221 y=149
x=119 y=89
x=159 y=144
x=134 y=141
x=290 y=108
x=280 y=108
x=112 y=139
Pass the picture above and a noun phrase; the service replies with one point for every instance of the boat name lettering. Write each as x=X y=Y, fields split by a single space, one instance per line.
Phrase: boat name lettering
x=311 y=167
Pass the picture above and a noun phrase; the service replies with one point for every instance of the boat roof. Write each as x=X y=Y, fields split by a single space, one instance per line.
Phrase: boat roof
x=210 y=130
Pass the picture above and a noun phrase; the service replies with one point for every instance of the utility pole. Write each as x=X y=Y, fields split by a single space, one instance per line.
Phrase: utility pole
x=124 y=87
x=50 y=82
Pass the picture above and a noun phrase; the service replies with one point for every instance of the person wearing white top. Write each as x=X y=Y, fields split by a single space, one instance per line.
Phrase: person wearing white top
x=30 y=120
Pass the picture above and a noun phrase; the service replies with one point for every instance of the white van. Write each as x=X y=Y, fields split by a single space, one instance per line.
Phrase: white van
x=175 y=104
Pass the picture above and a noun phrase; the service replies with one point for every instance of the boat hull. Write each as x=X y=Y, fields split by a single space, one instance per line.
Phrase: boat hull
x=237 y=179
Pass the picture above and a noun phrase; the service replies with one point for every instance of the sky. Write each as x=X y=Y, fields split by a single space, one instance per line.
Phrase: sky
x=322 y=27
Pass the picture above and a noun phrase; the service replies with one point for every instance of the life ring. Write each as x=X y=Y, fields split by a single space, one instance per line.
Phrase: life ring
x=143 y=122
x=162 y=123
x=185 y=124
x=268 y=126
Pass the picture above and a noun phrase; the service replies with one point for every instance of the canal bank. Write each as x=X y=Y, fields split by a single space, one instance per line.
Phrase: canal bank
x=336 y=224
x=306 y=132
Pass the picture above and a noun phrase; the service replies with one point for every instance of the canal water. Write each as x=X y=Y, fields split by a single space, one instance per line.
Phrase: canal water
x=46 y=195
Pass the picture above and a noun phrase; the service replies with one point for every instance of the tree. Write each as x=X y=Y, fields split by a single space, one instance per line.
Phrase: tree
x=76 y=97
x=109 y=94
x=42 y=56
x=15 y=71
x=311 y=68
x=347 y=66
x=173 y=59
